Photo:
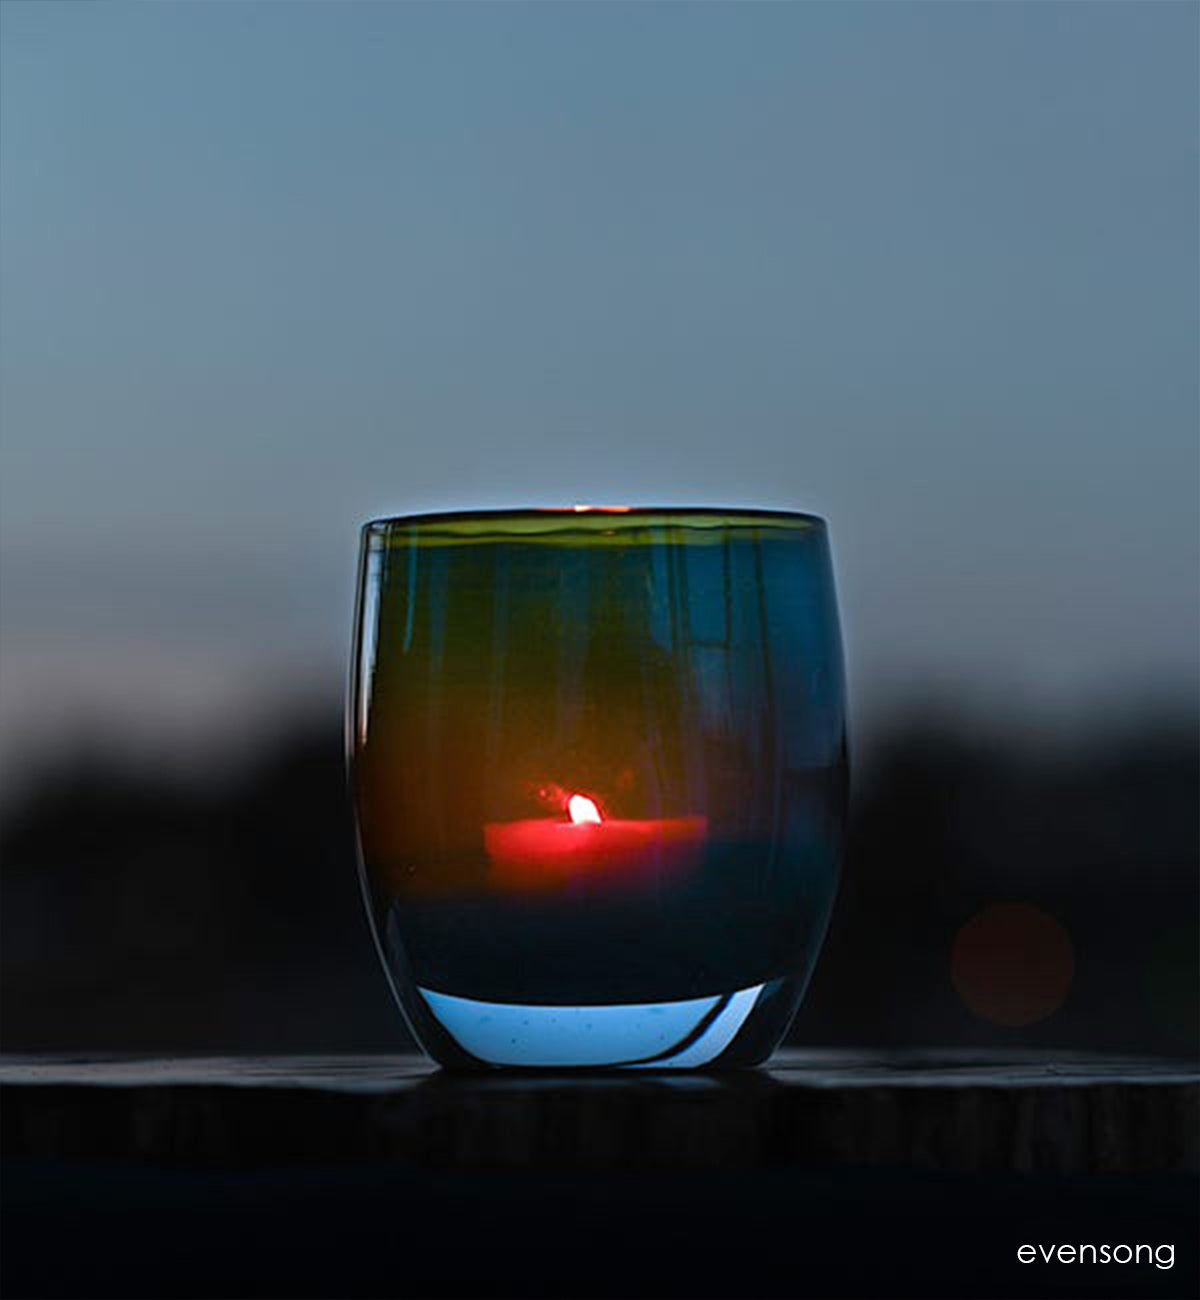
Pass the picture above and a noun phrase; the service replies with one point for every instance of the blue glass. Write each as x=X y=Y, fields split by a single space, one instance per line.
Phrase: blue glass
x=599 y=771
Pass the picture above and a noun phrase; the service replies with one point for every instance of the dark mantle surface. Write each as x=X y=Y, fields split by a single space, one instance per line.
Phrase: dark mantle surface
x=822 y=1174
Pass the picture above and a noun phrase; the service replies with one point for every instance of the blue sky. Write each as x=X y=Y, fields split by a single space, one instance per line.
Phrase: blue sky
x=929 y=270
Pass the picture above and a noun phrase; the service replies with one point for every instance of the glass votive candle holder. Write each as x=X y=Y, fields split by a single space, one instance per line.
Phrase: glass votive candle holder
x=598 y=766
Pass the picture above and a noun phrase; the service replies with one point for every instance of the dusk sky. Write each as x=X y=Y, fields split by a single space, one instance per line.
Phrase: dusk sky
x=268 y=270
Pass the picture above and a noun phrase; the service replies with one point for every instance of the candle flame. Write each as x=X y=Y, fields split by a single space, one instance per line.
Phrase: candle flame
x=582 y=809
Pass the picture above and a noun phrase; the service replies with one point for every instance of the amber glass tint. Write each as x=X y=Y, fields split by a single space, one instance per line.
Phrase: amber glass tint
x=599 y=773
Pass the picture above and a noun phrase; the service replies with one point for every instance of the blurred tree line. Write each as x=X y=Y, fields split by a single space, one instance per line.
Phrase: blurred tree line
x=144 y=912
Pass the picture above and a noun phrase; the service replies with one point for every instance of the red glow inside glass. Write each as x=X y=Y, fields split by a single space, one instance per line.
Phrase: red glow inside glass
x=549 y=853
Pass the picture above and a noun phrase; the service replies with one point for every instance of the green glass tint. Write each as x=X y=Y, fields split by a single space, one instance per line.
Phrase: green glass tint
x=599 y=774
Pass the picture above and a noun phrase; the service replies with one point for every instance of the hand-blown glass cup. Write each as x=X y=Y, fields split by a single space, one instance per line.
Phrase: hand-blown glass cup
x=599 y=773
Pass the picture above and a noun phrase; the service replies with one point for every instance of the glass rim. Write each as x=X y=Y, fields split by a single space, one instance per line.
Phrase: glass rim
x=535 y=520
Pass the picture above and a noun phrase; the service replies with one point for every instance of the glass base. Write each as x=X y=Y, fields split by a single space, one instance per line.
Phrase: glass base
x=737 y=1023
x=655 y=1035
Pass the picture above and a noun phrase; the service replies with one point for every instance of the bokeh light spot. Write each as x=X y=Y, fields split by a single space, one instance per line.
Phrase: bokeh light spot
x=1012 y=964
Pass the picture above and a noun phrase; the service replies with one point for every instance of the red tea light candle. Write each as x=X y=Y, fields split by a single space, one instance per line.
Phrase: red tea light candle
x=545 y=853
